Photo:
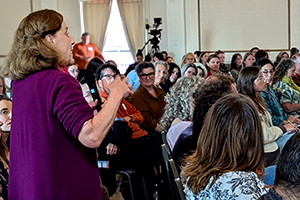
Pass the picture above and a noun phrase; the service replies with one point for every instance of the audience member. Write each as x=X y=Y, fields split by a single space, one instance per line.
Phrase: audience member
x=287 y=92
x=139 y=58
x=211 y=89
x=143 y=151
x=188 y=58
x=85 y=51
x=223 y=67
x=236 y=62
x=49 y=102
x=133 y=79
x=179 y=107
x=293 y=51
x=251 y=83
x=161 y=73
x=2 y=86
x=260 y=54
x=197 y=55
x=169 y=60
x=148 y=98
x=286 y=186
x=269 y=97
x=73 y=70
x=248 y=60
x=233 y=168
x=189 y=69
x=296 y=77
x=173 y=75
x=5 y=123
x=203 y=57
x=201 y=69
x=157 y=57
x=165 y=54
x=213 y=64
x=5 y=118
x=281 y=56
x=253 y=50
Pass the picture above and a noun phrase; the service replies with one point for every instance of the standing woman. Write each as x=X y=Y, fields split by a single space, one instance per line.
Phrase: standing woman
x=54 y=132
x=234 y=167
x=213 y=64
x=251 y=83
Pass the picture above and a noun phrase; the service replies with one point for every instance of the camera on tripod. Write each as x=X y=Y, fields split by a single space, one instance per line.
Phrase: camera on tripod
x=156 y=33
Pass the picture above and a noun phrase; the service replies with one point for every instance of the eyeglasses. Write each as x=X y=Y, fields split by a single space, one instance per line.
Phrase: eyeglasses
x=109 y=77
x=268 y=72
x=150 y=75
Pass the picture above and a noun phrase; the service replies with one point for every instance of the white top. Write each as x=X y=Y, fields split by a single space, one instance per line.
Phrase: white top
x=174 y=132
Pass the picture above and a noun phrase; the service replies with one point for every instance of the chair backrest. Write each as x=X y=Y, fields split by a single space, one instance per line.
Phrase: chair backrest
x=166 y=158
x=179 y=187
x=164 y=139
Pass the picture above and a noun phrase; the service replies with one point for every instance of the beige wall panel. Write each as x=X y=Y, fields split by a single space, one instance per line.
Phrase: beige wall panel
x=11 y=14
x=192 y=30
x=176 y=29
x=295 y=23
x=240 y=24
x=70 y=10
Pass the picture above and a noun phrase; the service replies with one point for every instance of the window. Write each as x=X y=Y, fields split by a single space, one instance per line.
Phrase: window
x=116 y=47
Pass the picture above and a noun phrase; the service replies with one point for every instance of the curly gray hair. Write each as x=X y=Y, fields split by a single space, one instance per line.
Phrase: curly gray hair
x=179 y=101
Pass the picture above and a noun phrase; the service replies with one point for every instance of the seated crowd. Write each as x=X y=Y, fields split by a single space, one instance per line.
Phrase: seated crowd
x=224 y=124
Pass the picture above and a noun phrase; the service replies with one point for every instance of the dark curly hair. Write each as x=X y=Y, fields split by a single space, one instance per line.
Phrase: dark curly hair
x=212 y=89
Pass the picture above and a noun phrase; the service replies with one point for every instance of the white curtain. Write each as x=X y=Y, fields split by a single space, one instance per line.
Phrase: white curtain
x=96 y=15
x=131 y=12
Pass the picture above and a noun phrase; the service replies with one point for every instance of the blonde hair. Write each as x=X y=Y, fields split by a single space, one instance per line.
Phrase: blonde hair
x=30 y=52
x=179 y=101
x=186 y=55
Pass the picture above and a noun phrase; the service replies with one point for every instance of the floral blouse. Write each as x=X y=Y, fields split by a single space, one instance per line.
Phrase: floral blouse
x=232 y=186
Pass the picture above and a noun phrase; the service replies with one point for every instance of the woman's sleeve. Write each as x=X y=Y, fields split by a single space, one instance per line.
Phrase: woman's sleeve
x=68 y=104
x=276 y=120
x=140 y=104
x=136 y=115
x=270 y=133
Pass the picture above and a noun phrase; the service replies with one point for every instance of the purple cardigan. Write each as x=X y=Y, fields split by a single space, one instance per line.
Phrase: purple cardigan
x=46 y=159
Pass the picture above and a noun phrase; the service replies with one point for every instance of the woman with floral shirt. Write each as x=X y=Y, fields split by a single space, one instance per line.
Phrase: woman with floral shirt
x=229 y=160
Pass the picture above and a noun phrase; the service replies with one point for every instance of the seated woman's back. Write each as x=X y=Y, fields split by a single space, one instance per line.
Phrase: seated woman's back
x=229 y=153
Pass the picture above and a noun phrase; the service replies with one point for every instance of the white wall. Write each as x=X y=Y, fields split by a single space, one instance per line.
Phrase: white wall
x=13 y=11
x=188 y=25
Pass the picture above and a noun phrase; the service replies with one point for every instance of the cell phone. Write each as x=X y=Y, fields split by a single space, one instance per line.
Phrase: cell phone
x=91 y=81
x=103 y=164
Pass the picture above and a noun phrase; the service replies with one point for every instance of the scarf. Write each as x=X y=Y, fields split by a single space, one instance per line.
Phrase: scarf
x=286 y=79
